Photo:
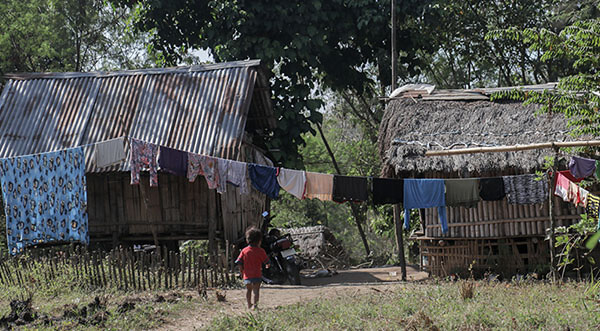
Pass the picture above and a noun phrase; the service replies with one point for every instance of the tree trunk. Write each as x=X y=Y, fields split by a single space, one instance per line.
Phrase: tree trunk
x=353 y=208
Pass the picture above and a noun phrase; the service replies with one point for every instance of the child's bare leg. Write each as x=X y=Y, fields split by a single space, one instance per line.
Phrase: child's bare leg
x=249 y=294
x=256 y=290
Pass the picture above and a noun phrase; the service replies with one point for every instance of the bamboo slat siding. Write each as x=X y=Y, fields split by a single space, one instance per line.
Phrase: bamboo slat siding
x=505 y=256
x=176 y=209
x=498 y=219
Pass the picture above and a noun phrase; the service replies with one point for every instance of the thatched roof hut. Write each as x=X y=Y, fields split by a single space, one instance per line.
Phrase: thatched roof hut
x=494 y=233
x=409 y=128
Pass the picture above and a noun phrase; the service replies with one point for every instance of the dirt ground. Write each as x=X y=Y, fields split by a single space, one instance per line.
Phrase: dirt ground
x=353 y=281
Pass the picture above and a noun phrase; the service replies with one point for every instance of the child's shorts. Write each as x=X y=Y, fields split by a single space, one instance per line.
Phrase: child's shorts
x=252 y=281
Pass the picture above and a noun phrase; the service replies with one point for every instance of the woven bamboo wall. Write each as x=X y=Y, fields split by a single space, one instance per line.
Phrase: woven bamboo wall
x=499 y=219
x=177 y=209
x=505 y=256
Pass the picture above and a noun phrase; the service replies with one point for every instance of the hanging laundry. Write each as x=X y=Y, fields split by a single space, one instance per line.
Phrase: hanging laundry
x=223 y=167
x=45 y=198
x=292 y=181
x=577 y=195
x=388 y=191
x=582 y=167
x=205 y=166
x=319 y=186
x=143 y=156
x=526 y=189
x=237 y=175
x=425 y=193
x=592 y=206
x=562 y=186
x=569 y=175
x=110 y=152
x=570 y=191
x=348 y=188
x=264 y=179
x=491 y=189
x=462 y=192
x=173 y=161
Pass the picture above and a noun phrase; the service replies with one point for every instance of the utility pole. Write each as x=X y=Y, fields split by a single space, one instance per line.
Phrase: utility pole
x=397 y=209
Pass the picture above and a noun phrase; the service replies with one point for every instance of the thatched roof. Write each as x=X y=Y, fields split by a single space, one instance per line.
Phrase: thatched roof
x=412 y=126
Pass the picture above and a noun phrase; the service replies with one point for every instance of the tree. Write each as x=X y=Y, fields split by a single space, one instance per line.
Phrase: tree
x=304 y=43
x=72 y=35
x=464 y=58
x=577 y=97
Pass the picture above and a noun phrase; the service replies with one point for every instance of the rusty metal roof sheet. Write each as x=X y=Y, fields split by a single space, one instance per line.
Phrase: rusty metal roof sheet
x=199 y=109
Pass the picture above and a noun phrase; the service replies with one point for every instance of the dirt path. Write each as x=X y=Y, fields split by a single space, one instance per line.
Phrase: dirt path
x=354 y=281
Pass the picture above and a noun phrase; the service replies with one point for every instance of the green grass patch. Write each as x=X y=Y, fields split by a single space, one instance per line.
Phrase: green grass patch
x=437 y=306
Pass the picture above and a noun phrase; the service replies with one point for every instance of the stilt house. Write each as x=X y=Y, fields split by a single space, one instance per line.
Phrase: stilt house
x=494 y=235
x=223 y=110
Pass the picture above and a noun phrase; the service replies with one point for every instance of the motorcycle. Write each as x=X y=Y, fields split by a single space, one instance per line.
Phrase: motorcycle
x=284 y=262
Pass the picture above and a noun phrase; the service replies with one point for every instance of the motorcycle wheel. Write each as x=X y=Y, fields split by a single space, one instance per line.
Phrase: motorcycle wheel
x=293 y=273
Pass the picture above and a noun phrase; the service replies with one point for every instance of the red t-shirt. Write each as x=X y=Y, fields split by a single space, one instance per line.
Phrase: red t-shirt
x=252 y=258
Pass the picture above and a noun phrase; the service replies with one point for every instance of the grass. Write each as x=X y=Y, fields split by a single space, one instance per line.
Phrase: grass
x=438 y=306
x=118 y=310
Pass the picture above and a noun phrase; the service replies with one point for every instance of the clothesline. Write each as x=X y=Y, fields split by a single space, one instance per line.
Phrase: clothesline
x=62 y=149
x=42 y=194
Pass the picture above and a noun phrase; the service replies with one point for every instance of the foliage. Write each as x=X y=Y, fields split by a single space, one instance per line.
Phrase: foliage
x=72 y=35
x=576 y=95
x=466 y=59
x=355 y=156
x=296 y=40
x=571 y=240
x=436 y=306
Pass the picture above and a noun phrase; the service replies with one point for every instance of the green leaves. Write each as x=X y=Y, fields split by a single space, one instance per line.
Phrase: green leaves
x=593 y=241
x=329 y=44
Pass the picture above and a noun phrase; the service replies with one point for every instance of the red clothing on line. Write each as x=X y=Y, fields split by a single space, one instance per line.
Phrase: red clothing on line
x=252 y=258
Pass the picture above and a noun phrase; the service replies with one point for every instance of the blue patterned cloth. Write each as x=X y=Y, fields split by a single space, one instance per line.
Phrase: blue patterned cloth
x=45 y=199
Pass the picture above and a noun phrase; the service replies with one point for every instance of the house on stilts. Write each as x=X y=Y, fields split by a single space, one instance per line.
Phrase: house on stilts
x=495 y=235
x=223 y=110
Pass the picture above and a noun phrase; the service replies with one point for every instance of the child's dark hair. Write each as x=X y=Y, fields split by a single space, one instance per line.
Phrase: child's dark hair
x=253 y=236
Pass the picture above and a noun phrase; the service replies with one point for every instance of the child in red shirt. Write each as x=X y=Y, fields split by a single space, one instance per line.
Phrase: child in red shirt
x=251 y=260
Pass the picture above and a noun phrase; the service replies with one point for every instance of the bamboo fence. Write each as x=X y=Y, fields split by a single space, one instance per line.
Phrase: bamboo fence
x=123 y=269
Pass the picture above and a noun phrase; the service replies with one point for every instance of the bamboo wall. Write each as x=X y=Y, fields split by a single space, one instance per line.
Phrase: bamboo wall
x=175 y=210
x=505 y=256
x=499 y=219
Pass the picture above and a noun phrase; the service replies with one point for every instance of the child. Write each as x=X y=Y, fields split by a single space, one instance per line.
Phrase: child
x=251 y=259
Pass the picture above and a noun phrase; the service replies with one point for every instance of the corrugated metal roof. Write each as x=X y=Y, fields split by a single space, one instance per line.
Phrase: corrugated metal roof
x=199 y=109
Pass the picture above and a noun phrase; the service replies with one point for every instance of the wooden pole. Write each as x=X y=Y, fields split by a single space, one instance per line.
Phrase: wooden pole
x=513 y=148
x=400 y=239
x=212 y=225
x=393 y=44
x=551 y=214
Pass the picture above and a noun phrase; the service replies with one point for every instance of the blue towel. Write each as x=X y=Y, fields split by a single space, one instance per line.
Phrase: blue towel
x=45 y=199
x=425 y=193
x=264 y=179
